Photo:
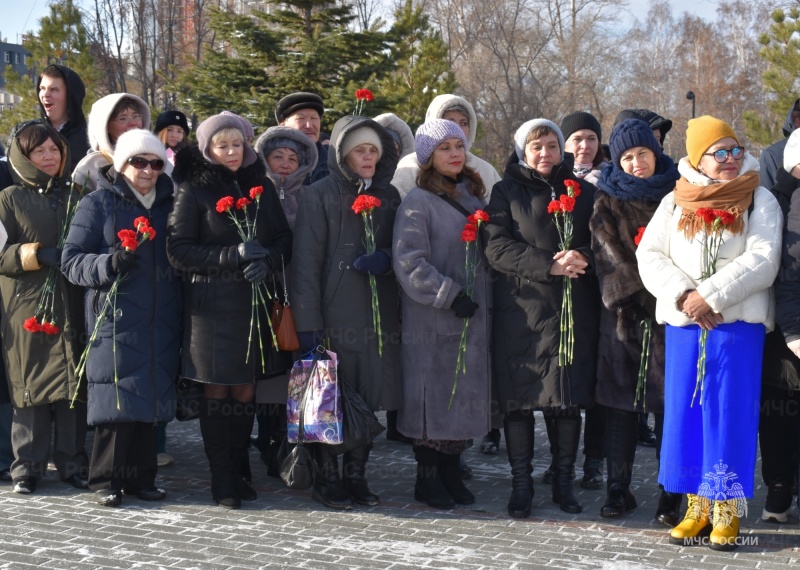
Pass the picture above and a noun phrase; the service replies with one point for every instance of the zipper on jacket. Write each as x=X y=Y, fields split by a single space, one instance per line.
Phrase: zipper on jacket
x=281 y=194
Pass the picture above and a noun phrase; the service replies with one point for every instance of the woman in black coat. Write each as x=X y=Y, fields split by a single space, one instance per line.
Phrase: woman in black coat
x=523 y=247
x=133 y=363
x=220 y=270
x=629 y=191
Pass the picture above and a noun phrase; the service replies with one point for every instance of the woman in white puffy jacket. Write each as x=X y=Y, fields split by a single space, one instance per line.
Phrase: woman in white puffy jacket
x=709 y=445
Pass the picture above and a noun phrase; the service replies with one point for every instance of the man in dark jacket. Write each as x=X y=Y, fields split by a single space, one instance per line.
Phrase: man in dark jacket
x=61 y=94
x=772 y=157
x=303 y=112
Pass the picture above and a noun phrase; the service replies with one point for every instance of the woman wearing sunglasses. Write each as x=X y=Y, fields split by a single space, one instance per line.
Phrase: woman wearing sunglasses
x=133 y=363
x=41 y=366
x=722 y=301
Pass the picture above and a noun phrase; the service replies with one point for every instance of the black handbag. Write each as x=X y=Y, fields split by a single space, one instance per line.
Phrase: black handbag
x=299 y=469
x=360 y=426
x=190 y=398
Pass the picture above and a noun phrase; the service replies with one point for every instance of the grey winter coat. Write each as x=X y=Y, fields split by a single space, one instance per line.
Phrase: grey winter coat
x=329 y=294
x=429 y=259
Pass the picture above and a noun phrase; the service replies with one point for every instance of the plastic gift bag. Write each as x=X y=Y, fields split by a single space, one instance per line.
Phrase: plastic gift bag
x=322 y=409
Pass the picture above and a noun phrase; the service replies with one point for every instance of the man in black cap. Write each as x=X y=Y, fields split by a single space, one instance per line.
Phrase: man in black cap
x=303 y=112
x=659 y=124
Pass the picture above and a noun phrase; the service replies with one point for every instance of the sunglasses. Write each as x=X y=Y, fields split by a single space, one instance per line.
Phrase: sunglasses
x=140 y=163
x=721 y=155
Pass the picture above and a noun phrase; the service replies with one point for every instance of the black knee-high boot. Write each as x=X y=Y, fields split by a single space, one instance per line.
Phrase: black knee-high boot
x=519 y=444
x=621 y=439
x=550 y=472
x=215 y=427
x=567 y=437
x=241 y=421
x=328 y=488
x=355 y=476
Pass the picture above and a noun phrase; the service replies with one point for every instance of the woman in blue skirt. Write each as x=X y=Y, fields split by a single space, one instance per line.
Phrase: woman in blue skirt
x=709 y=256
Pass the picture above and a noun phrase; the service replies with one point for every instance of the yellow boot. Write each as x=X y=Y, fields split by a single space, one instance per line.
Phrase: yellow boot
x=695 y=523
x=726 y=526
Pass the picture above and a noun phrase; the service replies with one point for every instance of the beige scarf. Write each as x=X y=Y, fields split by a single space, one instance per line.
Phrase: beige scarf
x=734 y=196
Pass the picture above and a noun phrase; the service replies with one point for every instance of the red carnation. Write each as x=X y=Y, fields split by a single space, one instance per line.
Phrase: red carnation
x=707 y=215
x=31 y=325
x=242 y=203
x=638 y=238
x=567 y=203
x=126 y=234
x=481 y=216
x=256 y=192
x=50 y=328
x=224 y=204
x=725 y=217
x=364 y=95
x=469 y=234
x=365 y=203
x=573 y=188
x=140 y=221
x=148 y=232
x=130 y=244
x=554 y=207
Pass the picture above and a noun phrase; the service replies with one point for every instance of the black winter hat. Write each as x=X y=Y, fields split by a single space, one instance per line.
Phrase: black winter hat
x=653 y=119
x=169 y=118
x=631 y=133
x=580 y=120
x=296 y=101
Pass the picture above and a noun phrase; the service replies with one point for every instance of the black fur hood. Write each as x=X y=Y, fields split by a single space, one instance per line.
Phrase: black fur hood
x=193 y=169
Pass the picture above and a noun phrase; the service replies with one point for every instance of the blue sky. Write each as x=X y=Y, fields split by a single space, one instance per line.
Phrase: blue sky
x=16 y=13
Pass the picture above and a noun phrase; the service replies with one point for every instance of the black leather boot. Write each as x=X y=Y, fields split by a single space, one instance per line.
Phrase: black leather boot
x=355 y=480
x=429 y=487
x=391 y=429
x=328 y=488
x=550 y=472
x=241 y=421
x=451 y=477
x=567 y=437
x=215 y=427
x=621 y=438
x=668 y=511
x=519 y=444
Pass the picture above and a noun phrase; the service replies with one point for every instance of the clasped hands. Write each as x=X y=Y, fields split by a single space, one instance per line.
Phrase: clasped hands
x=569 y=263
x=695 y=307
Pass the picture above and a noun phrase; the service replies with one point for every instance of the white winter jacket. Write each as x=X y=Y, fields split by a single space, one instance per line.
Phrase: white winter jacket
x=405 y=176
x=741 y=289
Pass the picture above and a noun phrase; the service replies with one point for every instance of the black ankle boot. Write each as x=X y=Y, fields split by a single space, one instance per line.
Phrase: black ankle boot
x=328 y=488
x=451 y=477
x=391 y=429
x=429 y=487
x=215 y=427
x=618 y=501
x=355 y=468
x=519 y=444
x=567 y=436
x=668 y=509
x=621 y=436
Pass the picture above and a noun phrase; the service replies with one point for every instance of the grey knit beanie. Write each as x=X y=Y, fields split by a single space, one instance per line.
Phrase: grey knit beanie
x=522 y=134
x=631 y=133
x=211 y=126
x=361 y=135
x=134 y=143
x=433 y=133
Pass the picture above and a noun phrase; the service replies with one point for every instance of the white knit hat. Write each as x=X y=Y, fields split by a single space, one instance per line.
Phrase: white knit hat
x=791 y=152
x=522 y=134
x=361 y=135
x=136 y=142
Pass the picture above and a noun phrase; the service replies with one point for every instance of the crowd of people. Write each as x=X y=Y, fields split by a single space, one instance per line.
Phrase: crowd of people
x=585 y=280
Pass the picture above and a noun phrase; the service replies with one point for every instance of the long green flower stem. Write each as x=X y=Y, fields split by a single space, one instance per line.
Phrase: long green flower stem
x=644 y=362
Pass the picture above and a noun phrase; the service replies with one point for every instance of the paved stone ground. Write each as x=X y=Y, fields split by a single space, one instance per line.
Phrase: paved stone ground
x=61 y=528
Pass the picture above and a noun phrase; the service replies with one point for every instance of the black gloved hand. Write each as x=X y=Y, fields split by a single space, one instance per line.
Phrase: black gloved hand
x=376 y=263
x=464 y=306
x=309 y=340
x=49 y=256
x=250 y=250
x=123 y=260
x=256 y=270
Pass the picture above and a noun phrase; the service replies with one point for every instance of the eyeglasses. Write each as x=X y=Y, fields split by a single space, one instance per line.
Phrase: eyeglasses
x=721 y=155
x=125 y=119
x=140 y=163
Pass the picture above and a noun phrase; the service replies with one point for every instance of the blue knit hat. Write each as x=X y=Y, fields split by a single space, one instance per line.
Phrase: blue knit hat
x=433 y=133
x=631 y=133
x=522 y=134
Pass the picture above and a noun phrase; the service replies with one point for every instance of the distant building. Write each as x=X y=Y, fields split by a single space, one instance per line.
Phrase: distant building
x=17 y=57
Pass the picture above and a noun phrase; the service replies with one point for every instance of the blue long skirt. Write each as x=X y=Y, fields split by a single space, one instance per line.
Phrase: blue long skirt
x=709 y=449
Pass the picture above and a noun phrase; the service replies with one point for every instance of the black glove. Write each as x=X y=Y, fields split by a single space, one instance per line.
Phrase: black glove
x=376 y=263
x=49 y=256
x=256 y=270
x=123 y=260
x=309 y=340
x=250 y=250
x=464 y=306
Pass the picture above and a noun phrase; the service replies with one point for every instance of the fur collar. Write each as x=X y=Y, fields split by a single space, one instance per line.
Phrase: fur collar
x=192 y=168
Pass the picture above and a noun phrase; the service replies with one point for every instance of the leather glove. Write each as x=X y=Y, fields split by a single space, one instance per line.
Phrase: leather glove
x=256 y=270
x=49 y=256
x=123 y=260
x=376 y=263
x=250 y=250
x=464 y=306
x=309 y=340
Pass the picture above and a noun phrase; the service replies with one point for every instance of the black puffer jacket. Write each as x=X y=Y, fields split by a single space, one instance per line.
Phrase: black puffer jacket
x=202 y=243
x=521 y=240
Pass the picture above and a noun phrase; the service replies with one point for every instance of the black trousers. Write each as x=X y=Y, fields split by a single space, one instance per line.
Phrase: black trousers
x=779 y=435
x=123 y=453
